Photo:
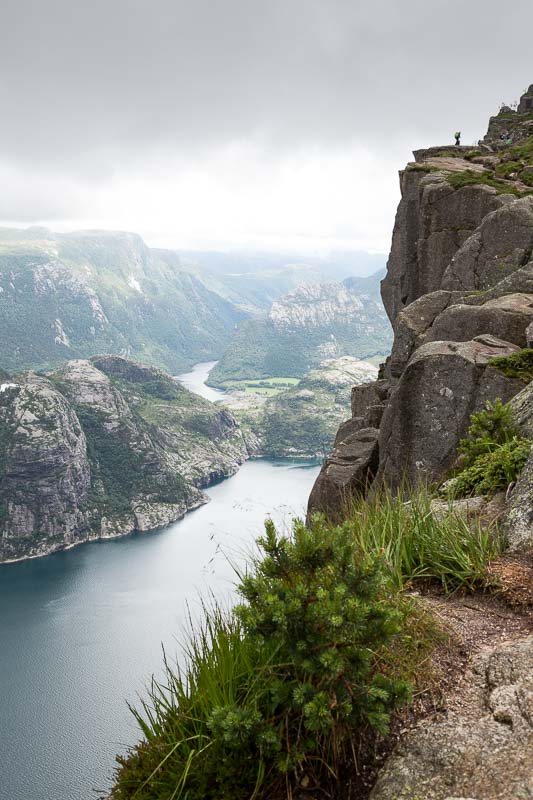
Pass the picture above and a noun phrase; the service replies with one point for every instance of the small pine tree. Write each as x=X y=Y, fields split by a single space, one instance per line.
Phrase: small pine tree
x=489 y=428
x=493 y=453
x=326 y=611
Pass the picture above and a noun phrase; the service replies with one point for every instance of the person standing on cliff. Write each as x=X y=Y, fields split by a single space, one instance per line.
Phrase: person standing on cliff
x=457 y=138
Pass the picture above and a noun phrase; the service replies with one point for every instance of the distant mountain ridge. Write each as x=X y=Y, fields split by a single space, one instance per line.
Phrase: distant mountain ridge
x=73 y=295
x=253 y=281
x=306 y=326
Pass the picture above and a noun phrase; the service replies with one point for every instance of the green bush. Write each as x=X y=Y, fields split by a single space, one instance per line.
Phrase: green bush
x=507 y=168
x=489 y=428
x=285 y=687
x=492 y=471
x=517 y=365
x=526 y=177
x=492 y=454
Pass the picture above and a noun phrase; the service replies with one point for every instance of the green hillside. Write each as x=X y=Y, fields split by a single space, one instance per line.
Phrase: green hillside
x=303 y=328
x=74 y=295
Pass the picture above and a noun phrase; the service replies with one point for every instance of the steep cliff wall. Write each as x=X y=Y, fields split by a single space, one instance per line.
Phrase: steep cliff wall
x=459 y=293
x=103 y=448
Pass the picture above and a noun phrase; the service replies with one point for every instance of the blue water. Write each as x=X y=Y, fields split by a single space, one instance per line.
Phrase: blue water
x=81 y=631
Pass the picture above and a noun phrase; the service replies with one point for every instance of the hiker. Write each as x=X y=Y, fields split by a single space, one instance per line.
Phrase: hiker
x=457 y=138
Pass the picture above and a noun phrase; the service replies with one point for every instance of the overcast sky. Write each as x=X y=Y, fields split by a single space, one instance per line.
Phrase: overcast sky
x=242 y=123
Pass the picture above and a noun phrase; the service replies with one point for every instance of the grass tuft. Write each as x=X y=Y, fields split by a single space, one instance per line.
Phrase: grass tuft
x=416 y=543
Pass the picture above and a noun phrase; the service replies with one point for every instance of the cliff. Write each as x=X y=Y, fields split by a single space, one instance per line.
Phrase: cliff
x=102 y=448
x=459 y=294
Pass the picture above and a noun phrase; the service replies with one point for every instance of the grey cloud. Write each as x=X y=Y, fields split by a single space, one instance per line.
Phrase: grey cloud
x=85 y=83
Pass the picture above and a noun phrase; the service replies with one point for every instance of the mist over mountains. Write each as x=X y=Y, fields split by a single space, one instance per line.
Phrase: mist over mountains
x=75 y=295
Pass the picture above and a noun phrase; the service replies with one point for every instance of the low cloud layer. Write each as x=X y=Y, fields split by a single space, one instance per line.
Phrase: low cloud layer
x=113 y=110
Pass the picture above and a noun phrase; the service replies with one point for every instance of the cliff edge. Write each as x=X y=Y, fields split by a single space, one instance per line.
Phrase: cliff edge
x=459 y=294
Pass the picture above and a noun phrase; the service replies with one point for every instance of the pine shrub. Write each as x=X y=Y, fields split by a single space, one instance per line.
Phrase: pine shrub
x=285 y=688
x=492 y=455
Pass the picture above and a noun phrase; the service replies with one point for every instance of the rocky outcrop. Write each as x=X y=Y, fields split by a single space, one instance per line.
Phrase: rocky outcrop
x=506 y=317
x=44 y=467
x=459 y=293
x=502 y=244
x=520 y=516
x=452 y=316
x=510 y=125
x=433 y=221
x=321 y=305
x=483 y=747
x=202 y=441
x=347 y=472
x=102 y=448
x=429 y=410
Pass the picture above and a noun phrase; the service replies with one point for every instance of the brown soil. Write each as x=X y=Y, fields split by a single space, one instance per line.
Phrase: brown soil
x=513 y=577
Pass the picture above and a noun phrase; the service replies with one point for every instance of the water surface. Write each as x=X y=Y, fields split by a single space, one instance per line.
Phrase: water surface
x=196 y=378
x=81 y=631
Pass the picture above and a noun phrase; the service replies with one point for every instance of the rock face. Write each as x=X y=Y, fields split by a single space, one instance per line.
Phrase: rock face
x=349 y=470
x=429 y=410
x=432 y=222
x=520 y=518
x=484 y=748
x=502 y=244
x=103 y=448
x=46 y=477
x=459 y=293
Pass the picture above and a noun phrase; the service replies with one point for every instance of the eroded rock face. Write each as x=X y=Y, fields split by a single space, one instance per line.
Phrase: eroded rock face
x=520 y=516
x=506 y=317
x=430 y=409
x=432 y=222
x=199 y=441
x=483 y=748
x=346 y=472
x=502 y=244
x=46 y=478
x=504 y=311
x=412 y=325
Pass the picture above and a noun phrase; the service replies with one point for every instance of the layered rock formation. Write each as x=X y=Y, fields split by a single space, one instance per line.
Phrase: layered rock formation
x=103 y=448
x=459 y=293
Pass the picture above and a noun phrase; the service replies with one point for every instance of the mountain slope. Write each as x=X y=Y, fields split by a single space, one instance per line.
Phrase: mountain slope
x=102 y=448
x=65 y=296
x=303 y=328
